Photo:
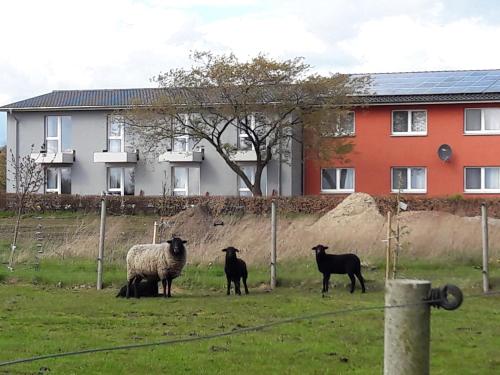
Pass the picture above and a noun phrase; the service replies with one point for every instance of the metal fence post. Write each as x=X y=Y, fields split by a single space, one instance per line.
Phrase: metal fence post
x=102 y=234
x=407 y=329
x=484 y=224
x=273 y=244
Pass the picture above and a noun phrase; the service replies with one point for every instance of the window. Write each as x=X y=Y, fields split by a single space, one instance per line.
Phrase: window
x=243 y=189
x=409 y=180
x=185 y=181
x=482 y=179
x=116 y=134
x=244 y=139
x=409 y=122
x=58 y=134
x=337 y=180
x=182 y=143
x=121 y=180
x=344 y=125
x=58 y=180
x=486 y=121
x=250 y=170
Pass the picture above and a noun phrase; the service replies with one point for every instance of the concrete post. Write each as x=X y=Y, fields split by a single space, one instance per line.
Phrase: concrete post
x=407 y=329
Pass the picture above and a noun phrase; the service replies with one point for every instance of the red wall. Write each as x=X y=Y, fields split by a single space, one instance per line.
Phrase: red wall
x=376 y=151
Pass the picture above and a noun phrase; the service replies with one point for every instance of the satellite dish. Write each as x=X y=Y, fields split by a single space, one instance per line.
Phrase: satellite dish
x=444 y=152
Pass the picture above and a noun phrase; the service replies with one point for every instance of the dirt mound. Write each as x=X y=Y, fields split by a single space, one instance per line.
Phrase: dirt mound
x=194 y=224
x=354 y=204
x=354 y=225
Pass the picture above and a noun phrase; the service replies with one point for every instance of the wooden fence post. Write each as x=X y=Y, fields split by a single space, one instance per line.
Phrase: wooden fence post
x=484 y=224
x=273 y=244
x=102 y=234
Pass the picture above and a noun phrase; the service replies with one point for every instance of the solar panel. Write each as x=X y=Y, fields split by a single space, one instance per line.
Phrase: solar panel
x=449 y=82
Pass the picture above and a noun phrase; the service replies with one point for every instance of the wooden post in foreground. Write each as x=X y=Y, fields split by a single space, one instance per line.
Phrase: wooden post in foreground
x=484 y=224
x=273 y=244
x=388 y=248
x=102 y=233
x=407 y=329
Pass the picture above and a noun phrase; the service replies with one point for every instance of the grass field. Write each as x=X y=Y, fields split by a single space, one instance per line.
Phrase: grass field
x=37 y=317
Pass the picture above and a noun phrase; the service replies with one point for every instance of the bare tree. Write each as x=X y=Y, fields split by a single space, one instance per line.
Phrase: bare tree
x=28 y=179
x=268 y=102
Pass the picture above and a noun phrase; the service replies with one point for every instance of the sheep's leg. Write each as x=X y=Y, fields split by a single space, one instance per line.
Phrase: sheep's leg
x=164 y=285
x=169 y=282
x=137 y=281
x=129 y=284
x=228 y=286
x=326 y=281
x=361 y=281
x=237 y=286
x=245 y=285
x=353 y=281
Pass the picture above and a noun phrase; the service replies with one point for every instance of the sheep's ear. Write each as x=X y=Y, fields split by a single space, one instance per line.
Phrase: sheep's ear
x=236 y=250
x=169 y=241
x=184 y=241
x=314 y=248
x=224 y=250
x=325 y=247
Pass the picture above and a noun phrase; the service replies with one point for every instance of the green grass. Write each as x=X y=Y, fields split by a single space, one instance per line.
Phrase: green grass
x=36 y=318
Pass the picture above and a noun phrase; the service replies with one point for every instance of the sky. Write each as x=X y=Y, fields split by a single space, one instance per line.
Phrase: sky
x=89 y=44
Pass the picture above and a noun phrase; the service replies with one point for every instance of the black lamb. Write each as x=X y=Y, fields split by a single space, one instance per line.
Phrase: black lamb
x=340 y=264
x=235 y=270
x=146 y=288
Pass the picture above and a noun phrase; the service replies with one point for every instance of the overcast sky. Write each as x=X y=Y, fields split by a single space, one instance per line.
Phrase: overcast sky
x=59 y=44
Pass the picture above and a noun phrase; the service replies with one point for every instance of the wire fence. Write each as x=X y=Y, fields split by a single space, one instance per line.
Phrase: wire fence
x=238 y=331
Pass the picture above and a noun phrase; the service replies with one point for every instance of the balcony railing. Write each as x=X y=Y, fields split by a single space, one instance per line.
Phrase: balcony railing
x=116 y=157
x=65 y=157
x=183 y=156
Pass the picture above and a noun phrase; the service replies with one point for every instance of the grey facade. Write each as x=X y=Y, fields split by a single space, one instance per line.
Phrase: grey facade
x=82 y=133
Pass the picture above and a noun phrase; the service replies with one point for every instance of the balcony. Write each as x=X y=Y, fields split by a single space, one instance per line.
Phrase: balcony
x=116 y=157
x=244 y=155
x=66 y=157
x=183 y=156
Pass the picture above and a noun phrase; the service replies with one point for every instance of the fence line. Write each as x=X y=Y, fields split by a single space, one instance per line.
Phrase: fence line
x=229 y=333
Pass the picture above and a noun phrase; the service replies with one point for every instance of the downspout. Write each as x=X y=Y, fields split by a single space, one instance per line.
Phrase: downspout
x=17 y=149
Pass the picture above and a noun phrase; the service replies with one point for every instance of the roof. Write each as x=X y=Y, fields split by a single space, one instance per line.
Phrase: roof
x=386 y=88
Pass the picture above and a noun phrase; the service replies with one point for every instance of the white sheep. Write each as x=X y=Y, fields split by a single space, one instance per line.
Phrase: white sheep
x=163 y=261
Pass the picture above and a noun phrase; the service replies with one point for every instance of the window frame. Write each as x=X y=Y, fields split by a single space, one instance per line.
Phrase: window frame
x=337 y=133
x=409 y=133
x=186 y=136
x=58 y=137
x=409 y=190
x=482 y=189
x=482 y=131
x=188 y=182
x=186 y=188
x=58 y=187
x=264 y=185
x=121 y=189
x=244 y=135
x=112 y=119
x=337 y=181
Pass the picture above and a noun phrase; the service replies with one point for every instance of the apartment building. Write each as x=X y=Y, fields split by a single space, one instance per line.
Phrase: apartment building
x=426 y=133
x=86 y=148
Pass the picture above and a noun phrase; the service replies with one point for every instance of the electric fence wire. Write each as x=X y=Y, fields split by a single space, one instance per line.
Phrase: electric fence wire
x=228 y=333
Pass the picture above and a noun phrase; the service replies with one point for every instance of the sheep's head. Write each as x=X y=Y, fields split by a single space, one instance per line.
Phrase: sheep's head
x=177 y=246
x=230 y=252
x=320 y=249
